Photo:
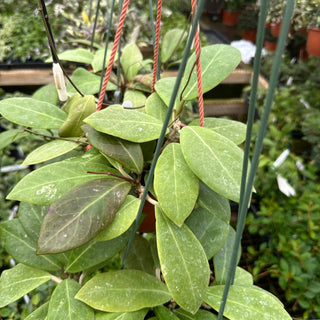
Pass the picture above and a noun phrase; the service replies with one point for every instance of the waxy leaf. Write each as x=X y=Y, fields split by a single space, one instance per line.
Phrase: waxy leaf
x=64 y=306
x=216 y=160
x=183 y=262
x=200 y=315
x=131 y=60
x=127 y=124
x=40 y=313
x=217 y=63
x=23 y=248
x=32 y=113
x=9 y=136
x=18 y=281
x=80 y=214
x=170 y=42
x=155 y=107
x=48 y=183
x=233 y=130
x=97 y=62
x=49 y=151
x=124 y=218
x=127 y=153
x=243 y=277
x=247 y=303
x=164 y=88
x=77 y=55
x=123 y=291
x=47 y=93
x=137 y=98
x=172 y=177
x=135 y=315
x=164 y=313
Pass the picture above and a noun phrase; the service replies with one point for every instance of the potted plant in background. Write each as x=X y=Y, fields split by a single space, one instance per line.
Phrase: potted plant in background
x=247 y=22
x=231 y=11
x=274 y=16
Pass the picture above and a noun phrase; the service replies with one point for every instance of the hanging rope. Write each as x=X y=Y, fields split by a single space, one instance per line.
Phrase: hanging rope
x=156 y=45
x=113 y=53
x=198 y=61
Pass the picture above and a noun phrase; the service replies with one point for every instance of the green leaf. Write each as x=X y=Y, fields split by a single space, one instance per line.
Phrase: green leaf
x=128 y=154
x=127 y=124
x=87 y=82
x=223 y=258
x=47 y=93
x=137 y=98
x=247 y=303
x=64 y=306
x=170 y=43
x=40 y=313
x=183 y=263
x=49 y=151
x=155 y=107
x=123 y=291
x=233 y=130
x=122 y=221
x=77 y=55
x=78 y=111
x=23 y=248
x=216 y=160
x=135 y=315
x=200 y=315
x=93 y=253
x=131 y=60
x=47 y=184
x=79 y=215
x=97 y=61
x=32 y=113
x=18 y=281
x=172 y=177
x=164 y=88
x=164 y=313
x=243 y=277
x=209 y=229
x=217 y=63
x=10 y=136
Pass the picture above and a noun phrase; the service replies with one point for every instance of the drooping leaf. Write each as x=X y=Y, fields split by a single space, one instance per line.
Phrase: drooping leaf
x=49 y=151
x=94 y=253
x=233 y=130
x=32 y=113
x=71 y=101
x=47 y=93
x=164 y=313
x=217 y=62
x=164 y=88
x=78 y=111
x=79 y=215
x=18 y=281
x=216 y=160
x=172 y=177
x=247 y=303
x=131 y=60
x=183 y=262
x=63 y=305
x=243 y=277
x=127 y=153
x=97 y=61
x=200 y=315
x=127 y=124
x=209 y=229
x=124 y=218
x=170 y=42
x=87 y=82
x=77 y=55
x=135 y=315
x=47 y=184
x=155 y=107
x=23 y=249
x=123 y=291
x=223 y=258
x=137 y=98
x=10 y=136
x=40 y=313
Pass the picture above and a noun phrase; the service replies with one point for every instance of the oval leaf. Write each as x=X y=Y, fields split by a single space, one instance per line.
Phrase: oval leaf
x=164 y=88
x=200 y=315
x=40 y=313
x=97 y=61
x=77 y=55
x=32 y=113
x=127 y=124
x=9 y=136
x=247 y=303
x=135 y=315
x=172 y=177
x=80 y=214
x=170 y=42
x=123 y=291
x=47 y=93
x=155 y=107
x=137 y=98
x=216 y=160
x=18 y=281
x=131 y=60
x=183 y=263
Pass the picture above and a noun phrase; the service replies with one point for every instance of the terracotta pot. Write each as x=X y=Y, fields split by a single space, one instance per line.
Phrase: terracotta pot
x=148 y=224
x=303 y=54
x=271 y=46
x=313 y=42
x=275 y=28
x=249 y=35
x=230 y=18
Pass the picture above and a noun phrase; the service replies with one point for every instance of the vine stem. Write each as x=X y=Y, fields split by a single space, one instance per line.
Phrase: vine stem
x=55 y=279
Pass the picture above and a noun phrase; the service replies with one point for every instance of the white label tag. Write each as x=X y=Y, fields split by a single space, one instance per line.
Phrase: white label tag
x=285 y=187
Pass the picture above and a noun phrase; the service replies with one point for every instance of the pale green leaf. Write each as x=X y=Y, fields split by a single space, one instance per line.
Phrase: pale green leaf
x=247 y=303
x=79 y=215
x=18 y=281
x=135 y=315
x=47 y=184
x=77 y=55
x=123 y=291
x=216 y=160
x=155 y=107
x=131 y=60
x=164 y=88
x=10 y=136
x=137 y=98
x=217 y=63
x=170 y=42
x=200 y=315
x=32 y=113
x=243 y=277
x=97 y=61
x=172 y=177
x=49 y=151
x=64 y=306
x=127 y=124
x=47 y=93
x=40 y=313
x=164 y=313
x=183 y=262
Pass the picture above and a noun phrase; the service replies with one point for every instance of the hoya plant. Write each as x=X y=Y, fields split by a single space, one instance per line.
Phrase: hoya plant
x=79 y=208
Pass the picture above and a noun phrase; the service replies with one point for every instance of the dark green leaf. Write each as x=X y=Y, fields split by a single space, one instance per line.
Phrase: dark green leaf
x=9 y=136
x=135 y=315
x=164 y=313
x=200 y=315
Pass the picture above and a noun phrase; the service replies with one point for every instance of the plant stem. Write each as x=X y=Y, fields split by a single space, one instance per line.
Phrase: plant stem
x=56 y=279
